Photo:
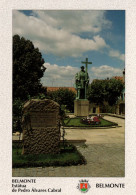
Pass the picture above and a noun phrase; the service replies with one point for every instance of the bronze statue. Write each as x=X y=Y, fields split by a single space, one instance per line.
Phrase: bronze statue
x=81 y=81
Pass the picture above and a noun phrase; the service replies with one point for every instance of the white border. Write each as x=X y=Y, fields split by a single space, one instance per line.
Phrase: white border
x=68 y=184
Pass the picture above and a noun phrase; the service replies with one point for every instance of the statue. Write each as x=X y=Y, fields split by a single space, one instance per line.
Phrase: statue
x=81 y=81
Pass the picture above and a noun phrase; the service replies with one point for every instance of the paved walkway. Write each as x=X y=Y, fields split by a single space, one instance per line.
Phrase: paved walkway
x=104 y=152
x=99 y=136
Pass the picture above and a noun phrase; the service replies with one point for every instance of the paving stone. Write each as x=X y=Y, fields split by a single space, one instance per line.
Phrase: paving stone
x=105 y=155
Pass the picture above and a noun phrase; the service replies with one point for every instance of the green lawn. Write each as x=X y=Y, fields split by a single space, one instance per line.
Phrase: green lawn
x=69 y=156
x=76 y=122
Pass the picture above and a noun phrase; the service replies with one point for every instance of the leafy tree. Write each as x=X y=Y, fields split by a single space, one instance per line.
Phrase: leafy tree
x=101 y=91
x=17 y=115
x=27 y=68
x=64 y=97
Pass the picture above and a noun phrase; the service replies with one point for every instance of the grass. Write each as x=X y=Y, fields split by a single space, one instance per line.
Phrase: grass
x=76 y=122
x=68 y=156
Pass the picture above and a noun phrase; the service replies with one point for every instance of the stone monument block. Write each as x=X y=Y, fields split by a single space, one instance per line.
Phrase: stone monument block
x=41 y=127
x=81 y=107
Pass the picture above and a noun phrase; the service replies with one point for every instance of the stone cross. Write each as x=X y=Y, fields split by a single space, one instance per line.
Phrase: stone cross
x=86 y=69
x=86 y=63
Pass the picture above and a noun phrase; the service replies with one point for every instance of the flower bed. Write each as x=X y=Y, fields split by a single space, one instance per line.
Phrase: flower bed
x=76 y=122
x=91 y=120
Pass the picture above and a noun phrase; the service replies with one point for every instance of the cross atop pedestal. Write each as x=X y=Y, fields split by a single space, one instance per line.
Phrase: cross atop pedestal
x=86 y=63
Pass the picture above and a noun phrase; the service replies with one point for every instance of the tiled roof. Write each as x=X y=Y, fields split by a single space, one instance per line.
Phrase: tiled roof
x=118 y=78
x=56 y=88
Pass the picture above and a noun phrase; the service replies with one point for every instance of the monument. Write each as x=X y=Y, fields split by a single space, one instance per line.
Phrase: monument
x=41 y=127
x=81 y=104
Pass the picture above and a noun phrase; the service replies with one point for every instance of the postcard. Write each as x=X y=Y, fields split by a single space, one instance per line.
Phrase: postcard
x=67 y=86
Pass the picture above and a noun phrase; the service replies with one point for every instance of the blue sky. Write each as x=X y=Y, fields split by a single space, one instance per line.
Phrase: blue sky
x=65 y=38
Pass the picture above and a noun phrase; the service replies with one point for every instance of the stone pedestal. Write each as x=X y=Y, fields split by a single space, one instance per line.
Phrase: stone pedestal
x=81 y=107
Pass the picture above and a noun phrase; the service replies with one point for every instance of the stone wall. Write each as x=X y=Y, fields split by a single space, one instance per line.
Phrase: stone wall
x=41 y=132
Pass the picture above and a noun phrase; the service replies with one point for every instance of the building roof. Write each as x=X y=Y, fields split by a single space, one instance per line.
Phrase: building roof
x=56 y=88
x=118 y=78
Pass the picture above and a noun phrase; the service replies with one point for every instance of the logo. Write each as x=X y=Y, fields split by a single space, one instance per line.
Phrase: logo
x=83 y=186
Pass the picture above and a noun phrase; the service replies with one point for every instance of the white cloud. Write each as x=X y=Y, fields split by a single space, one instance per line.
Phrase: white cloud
x=104 y=71
x=63 y=76
x=52 y=33
x=59 y=75
x=75 y=21
x=117 y=54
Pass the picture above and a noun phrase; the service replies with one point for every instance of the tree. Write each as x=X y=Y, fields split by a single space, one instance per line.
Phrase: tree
x=64 y=97
x=27 y=68
x=17 y=115
x=101 y=91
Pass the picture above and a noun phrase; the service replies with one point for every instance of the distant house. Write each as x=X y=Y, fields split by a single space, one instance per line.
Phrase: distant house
x=57 y=88
x=120 y=108
x=118 y=78
x=94 y=108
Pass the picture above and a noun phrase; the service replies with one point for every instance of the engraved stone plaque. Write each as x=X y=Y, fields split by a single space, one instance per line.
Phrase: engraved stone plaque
x=43 y=119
